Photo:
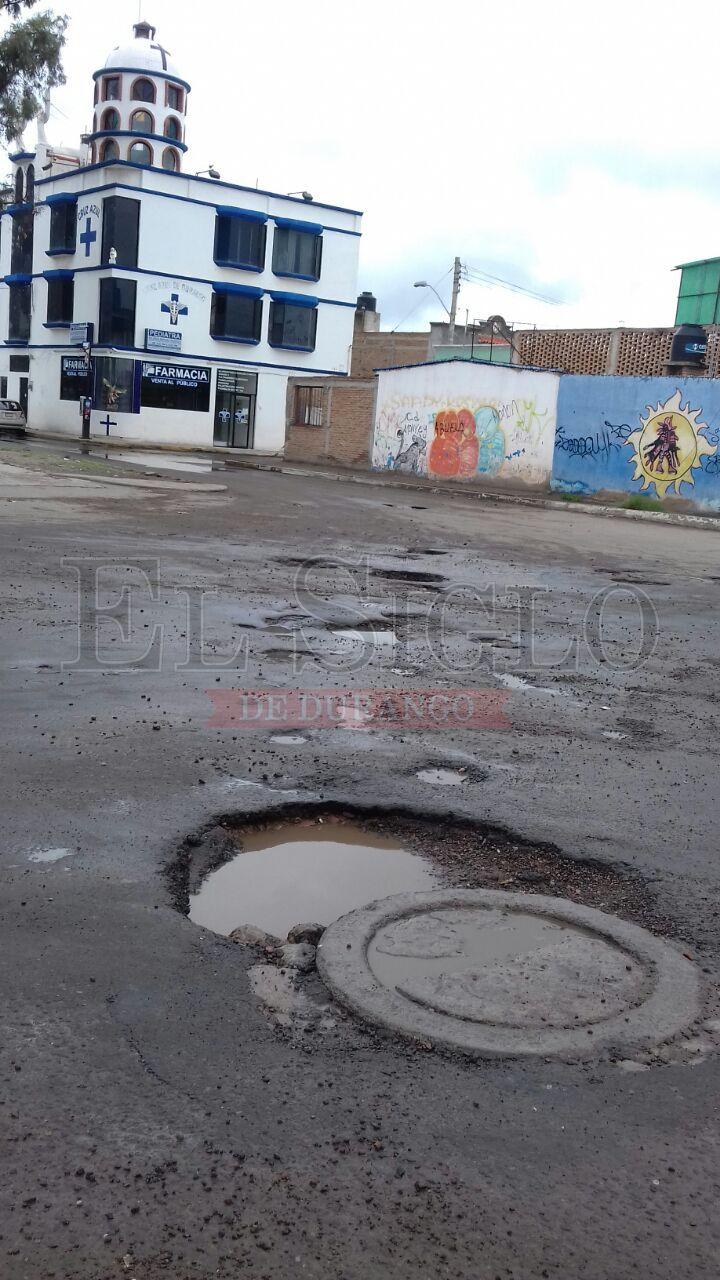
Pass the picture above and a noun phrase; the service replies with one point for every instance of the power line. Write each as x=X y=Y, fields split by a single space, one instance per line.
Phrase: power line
x=475 y=275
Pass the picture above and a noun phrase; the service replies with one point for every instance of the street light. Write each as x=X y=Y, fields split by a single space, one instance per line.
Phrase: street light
x=211 y=173
x=306 y=195
x=424 y=284
x=452 y=310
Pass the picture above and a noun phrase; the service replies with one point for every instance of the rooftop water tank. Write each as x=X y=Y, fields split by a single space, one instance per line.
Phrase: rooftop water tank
x=367 y=302
x=689 y=345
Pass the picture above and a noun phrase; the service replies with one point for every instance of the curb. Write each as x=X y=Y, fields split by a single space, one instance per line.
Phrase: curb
x=175 y=486
x=549 y=504
x=275 y=462
x=107 y=442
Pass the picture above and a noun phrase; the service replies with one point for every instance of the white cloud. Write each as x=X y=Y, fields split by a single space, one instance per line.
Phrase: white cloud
x=555 y=145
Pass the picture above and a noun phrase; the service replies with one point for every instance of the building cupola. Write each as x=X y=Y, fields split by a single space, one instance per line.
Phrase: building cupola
x=140 y=105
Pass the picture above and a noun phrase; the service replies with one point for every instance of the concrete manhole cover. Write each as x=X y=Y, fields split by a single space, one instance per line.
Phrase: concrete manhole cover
x=494 y=973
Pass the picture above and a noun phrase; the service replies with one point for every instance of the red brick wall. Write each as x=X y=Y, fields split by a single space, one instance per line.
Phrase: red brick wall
x=382 y=350
x=347 y=420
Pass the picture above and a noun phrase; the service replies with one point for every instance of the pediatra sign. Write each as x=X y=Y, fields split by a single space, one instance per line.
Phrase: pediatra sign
x=169 y=340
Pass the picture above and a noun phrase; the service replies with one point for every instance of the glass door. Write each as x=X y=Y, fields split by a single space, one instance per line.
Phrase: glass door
x=242 y=422
x=235 y=409
x=23 y=395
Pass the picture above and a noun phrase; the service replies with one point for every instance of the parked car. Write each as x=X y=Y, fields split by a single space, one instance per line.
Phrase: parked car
x=12 y=418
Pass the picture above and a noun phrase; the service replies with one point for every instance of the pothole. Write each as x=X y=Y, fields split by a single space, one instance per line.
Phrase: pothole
x=379 y=637
x=415 y=576
x=511 y=681
x=49 y=855
x=317 y=871
x=442 y=777
x=481 y=941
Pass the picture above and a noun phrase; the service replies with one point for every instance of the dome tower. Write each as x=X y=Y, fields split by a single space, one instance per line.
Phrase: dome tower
x=140 y=105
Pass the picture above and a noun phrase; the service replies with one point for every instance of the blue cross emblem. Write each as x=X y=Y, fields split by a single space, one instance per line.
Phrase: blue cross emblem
x=88 y=237
x=173 y=308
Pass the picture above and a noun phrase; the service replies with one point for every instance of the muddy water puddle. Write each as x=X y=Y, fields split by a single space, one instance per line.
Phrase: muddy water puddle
x=442 y=777
x=317 y=872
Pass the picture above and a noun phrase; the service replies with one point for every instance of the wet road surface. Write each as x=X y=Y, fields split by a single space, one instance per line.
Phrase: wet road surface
x=157 y=1119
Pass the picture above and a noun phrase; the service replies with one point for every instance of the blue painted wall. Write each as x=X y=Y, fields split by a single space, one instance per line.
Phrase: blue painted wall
x=655 y=436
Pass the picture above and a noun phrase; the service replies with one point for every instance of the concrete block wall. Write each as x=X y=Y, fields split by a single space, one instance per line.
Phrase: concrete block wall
x=641 y=353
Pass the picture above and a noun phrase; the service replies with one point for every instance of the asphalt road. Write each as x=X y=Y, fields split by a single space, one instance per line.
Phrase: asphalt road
x=156 y=1120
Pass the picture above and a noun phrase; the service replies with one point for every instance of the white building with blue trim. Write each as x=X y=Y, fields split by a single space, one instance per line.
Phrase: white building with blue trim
x=202 y=296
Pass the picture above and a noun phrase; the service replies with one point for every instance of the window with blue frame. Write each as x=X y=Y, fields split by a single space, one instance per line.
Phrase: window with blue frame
x=21 y=254
x=63 y=227
x=20 y=311
x=297 y=250
x=121 y=221
x=117 y=312
x=236 y=315
x=292 y=325
x=240 y=242
x=61 y=300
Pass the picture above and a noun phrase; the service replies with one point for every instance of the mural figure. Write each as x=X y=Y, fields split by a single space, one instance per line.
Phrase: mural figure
x=668 y=445
x=455 y=448
x=664 y=448
x=410 y=457
x=400 y=440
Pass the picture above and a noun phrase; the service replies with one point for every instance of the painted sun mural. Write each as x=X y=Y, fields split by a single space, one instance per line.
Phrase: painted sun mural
x=668 y=445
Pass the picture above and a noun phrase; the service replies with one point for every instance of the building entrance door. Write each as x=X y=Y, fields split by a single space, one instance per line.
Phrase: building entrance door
x=23 y=395
x=235 y=395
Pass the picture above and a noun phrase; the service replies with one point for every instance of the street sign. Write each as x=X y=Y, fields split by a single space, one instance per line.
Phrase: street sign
x=163 y=340
x=80 y=333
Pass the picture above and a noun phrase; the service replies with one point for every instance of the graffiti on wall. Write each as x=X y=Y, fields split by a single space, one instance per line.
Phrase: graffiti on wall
x=660 y=447
x=460 y=440
x=400 y=442
x=669 y=445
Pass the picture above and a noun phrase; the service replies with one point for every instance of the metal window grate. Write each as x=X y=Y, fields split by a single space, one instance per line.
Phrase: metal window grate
x=309 y=406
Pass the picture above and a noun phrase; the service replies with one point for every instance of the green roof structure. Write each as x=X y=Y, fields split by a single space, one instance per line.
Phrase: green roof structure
x=699 y=295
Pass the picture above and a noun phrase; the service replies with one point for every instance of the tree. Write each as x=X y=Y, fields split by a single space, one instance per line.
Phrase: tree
x=30 y=53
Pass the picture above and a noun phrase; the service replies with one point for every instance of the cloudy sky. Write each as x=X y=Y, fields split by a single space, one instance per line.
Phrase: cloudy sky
x=570 y=149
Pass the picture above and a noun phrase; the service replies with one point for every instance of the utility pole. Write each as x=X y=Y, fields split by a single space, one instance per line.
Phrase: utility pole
x=457 y=268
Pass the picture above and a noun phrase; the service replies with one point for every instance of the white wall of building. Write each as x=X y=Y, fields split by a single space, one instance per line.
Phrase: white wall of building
x=467 y=421
x=151 y=426
x=176 y=246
